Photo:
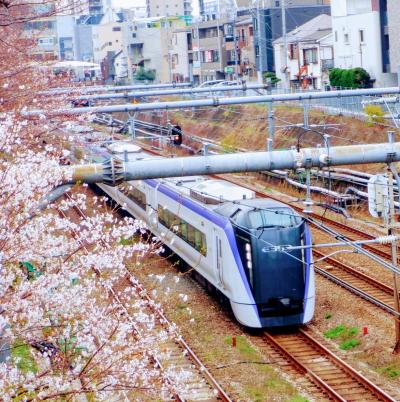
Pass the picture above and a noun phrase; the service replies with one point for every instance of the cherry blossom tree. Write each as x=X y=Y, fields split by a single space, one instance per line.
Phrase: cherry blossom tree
x=71 y=325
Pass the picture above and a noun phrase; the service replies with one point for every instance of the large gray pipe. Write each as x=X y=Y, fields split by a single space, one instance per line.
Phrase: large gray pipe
x=130 y=95
x=83 y=89
x=216 y=102
x=115 y=170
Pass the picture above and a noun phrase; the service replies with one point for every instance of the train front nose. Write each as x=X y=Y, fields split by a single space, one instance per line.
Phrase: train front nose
x=279 y=281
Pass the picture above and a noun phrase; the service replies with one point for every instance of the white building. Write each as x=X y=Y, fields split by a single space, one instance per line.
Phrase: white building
x=361 y=39
x=106 y=38
x=310 y=55
x=148 y=45
x=180 y=62
x=168 y=8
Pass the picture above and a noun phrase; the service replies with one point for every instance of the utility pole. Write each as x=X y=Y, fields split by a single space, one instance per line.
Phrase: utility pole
x=271 y=121
x=219 y=37
x=260 y=59
x=235 y=44
x=285 y=43
x=391 y=224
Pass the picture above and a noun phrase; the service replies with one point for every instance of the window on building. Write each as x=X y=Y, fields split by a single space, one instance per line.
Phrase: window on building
x=310 y=56
x=346 y=38
x=277 y=4
x=183 y=229
x=251 y=32
x=135 y=195
x=46 y=41
x=293 y=50
x=209 y=56
x=255 y=24
x=257 y=50
x=133 y=35
x=116 y=29
x=336 y=38
x=361 y=34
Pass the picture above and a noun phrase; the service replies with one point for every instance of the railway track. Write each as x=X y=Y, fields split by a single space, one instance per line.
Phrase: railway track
x=176 y=356
x=326 y=376
x=362 y=285
x=323 y=374
x=356 y=282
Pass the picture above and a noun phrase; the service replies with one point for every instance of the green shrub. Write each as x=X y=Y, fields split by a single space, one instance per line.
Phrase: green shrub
x=375 y=113
x=272 y=75
x=22 y=354
x=349 y=344
x=143 y=75
x=334 y=333
x=391 y=371
x=349 y=78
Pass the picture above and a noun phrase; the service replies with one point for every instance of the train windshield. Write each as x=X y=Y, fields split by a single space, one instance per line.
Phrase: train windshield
x=276 y=217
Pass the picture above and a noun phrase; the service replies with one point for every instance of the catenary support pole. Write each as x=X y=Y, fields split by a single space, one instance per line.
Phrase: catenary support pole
x=271 y=121
x=114 y=171
x=285 y=43
x=390 y=230
x=116 y=88
x=178 y=91
x=214 y=102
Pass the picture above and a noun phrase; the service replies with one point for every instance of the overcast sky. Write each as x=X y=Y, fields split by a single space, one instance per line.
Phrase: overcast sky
x=128 y=3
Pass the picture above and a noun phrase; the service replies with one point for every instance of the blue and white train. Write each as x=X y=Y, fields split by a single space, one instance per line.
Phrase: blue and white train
x=225 y=234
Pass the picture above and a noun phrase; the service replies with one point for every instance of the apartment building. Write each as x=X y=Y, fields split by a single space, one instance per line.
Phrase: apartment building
x=208 y=50
x=106 y=38
x=361 y=38
x=220 y=9
x=181 y=55
x=148 y=44
x=240 y=64
x=168 y=8
x=310 y=55
x=393 y=19
x=44 y=32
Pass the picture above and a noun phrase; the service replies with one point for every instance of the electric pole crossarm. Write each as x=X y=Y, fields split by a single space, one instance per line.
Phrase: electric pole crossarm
x=215 y=102
x=115 y=170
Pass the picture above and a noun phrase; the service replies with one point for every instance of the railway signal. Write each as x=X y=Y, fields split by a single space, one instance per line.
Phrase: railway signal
x=176 y=135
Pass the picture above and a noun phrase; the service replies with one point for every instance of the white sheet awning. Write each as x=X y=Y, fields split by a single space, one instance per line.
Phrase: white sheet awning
x=75 y=64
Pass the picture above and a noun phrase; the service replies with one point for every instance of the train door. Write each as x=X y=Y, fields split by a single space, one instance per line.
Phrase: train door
x=218 y=259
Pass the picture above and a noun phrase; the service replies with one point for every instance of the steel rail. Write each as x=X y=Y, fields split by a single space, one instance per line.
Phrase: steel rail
x=142 y=292
x=357 y=291
x=339 y=367
x=135 y=328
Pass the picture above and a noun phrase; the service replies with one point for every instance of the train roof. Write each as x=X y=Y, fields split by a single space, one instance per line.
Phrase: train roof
x=209 y=191
x=228 y=208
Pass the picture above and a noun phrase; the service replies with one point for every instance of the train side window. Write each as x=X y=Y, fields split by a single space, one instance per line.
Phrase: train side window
x=203 y=248
x=198 y=241
x=183 y=229
x=134 y=194
x=192 y=235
